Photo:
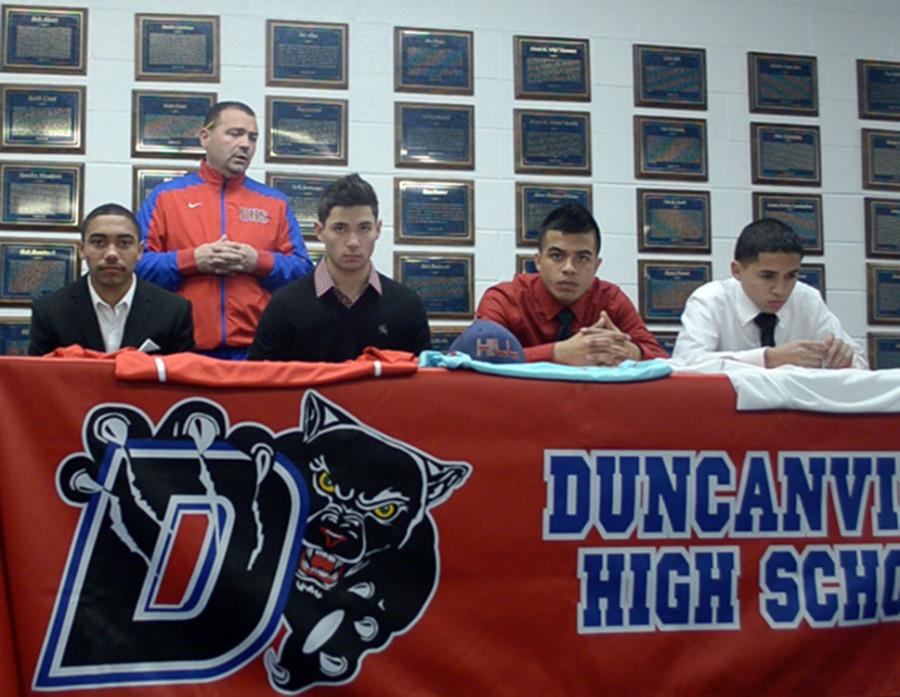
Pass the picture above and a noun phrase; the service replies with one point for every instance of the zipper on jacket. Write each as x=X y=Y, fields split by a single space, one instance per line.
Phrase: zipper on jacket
x=222 y=279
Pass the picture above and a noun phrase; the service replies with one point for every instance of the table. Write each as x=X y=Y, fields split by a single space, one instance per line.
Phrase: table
x=445 y=533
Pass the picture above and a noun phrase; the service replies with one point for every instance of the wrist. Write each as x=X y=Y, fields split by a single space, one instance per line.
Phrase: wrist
x=561 y=353
x=635 y=351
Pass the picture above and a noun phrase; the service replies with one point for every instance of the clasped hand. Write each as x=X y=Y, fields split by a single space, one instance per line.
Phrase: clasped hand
x=830 y=353
x=600 y=344
x=225 y=258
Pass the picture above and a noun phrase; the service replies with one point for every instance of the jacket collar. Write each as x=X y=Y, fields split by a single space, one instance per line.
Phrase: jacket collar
x=216 y=178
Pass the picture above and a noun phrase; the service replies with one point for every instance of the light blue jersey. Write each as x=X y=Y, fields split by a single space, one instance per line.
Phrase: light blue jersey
x=626 y=371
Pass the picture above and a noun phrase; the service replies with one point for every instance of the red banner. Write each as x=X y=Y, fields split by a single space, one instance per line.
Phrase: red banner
x=8 y=676
x=442 y=533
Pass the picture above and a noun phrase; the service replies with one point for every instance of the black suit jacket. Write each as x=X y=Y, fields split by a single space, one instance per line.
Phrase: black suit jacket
x=67 y=317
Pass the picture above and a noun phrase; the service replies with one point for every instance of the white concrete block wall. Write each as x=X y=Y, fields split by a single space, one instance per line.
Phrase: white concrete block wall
x=837 y=32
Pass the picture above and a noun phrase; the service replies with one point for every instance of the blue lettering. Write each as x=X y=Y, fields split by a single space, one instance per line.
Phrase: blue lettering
x=757 y=511
x=779 y=599
x=718 y=572
x=850 y=491
x=830 y=586
x=890 y=602
x=709 y=520
x=673 y=588
x=568 y=512
x=886 y=505
x=639 y=612
x=601 y=603
x=803 y=477
x=617 y=485
x=678 y=494
x=819 y=587
x=667 y=484
x=859 y=568
x=642 y=589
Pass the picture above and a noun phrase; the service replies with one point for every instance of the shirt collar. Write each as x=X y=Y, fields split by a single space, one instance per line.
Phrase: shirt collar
x=551 y=307
x=324 y=281
x=124 y=302
x=746 y=308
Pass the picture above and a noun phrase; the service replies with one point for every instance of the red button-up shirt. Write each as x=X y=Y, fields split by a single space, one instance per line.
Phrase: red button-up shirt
x=528 y=310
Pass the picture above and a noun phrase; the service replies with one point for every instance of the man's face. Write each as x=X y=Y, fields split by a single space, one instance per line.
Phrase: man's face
x=567 y=264
x=111 y=249
x=349 y=235
x=769 y=280
x=230 y=142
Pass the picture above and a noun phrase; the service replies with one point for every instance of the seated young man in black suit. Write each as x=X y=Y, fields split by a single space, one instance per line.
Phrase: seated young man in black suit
x=110 y=308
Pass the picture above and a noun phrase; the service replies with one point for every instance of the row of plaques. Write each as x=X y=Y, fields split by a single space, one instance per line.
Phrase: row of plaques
x=315 y=54
x=186 y=48
x=673 y=77
x=50 y=119
x=314 y=131
x=48 y=196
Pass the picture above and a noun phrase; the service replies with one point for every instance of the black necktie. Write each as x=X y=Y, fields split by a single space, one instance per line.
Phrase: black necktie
x=565 y=317
x=766 y=322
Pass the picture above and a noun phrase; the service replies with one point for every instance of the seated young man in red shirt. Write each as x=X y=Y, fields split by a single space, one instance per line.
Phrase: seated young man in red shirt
x=564 y=313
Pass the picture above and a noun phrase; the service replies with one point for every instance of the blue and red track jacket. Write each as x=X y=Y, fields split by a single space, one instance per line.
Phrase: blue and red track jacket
x=180 y=215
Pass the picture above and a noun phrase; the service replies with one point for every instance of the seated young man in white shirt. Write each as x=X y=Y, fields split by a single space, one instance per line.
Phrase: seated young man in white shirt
x=762 y=315
x=110 y=308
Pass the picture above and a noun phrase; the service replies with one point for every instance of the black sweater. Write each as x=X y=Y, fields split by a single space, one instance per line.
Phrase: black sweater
x=298 y=326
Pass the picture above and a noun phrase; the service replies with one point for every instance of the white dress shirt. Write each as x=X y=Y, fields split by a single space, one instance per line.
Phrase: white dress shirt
x=112 y=319
x=717 y=322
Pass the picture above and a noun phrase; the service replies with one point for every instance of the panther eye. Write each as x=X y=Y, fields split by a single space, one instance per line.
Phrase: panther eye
x=386 y=511
x=325 y=483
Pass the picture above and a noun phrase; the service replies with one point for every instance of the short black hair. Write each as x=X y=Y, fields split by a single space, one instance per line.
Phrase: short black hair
x=110 y=209
x=348 y=191
x=766 y=235
x=212 y=116
x=570 y=219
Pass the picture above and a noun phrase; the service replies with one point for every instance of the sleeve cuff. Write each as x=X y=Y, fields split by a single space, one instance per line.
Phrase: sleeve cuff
x=265 y=262
x=756 y=356
x=543 y=352
x=186 y=261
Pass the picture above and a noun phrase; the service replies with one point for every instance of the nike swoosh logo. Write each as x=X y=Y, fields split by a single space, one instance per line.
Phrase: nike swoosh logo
x=194 y=205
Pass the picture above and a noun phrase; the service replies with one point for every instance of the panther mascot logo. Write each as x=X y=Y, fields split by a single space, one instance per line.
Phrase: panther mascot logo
x=200 y=542
x=370 y=558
